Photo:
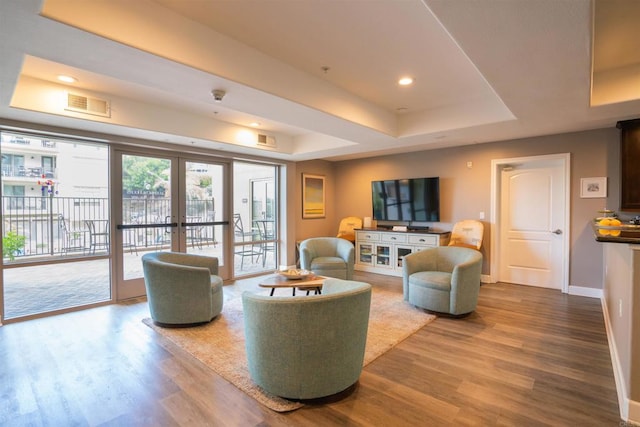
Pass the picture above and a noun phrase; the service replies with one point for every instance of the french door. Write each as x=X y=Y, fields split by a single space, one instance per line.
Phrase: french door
x=167 y=203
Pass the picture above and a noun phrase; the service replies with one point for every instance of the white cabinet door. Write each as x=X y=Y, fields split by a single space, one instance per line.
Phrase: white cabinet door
x=400 y=252
x=365 y=253
x=384 y=255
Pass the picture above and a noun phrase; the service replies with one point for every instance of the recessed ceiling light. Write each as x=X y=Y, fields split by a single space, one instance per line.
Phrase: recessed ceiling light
x=405 y=81
x=254 y=124
x=67 y=79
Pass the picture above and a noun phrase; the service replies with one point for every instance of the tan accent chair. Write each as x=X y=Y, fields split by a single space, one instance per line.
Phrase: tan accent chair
x=347 y=227
x=468 y=234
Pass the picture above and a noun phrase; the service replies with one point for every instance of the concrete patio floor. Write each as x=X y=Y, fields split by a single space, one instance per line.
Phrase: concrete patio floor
x=44 y=288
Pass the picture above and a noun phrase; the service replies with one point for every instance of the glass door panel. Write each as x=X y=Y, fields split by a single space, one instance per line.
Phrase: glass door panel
x=256 y=235
x=203 y=224
x=146 y=221
x=401 y=252
x=383 y=255
x=365 y=253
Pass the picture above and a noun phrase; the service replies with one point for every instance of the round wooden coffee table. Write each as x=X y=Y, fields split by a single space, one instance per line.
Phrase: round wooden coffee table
x=310 y=283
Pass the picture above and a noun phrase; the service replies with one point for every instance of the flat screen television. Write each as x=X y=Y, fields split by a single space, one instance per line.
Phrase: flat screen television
x=413 y=199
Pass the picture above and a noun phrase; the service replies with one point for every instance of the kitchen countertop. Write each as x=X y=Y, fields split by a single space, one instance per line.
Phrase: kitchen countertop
x=628 y=233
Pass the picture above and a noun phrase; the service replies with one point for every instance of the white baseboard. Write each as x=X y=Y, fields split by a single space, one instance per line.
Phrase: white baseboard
x=573 y=290
x=615 y=362
x=585 y=292
x=629 y=409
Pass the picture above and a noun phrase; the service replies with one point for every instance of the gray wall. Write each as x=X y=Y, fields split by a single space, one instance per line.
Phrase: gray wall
x=465 y=192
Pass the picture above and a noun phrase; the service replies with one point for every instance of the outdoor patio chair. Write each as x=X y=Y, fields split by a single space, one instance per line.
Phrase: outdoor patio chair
x=244 y=250
x=73 y=239
x=98 y=234
x=265 y=232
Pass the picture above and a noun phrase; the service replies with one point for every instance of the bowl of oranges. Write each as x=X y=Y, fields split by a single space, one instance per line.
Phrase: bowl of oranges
x=608 y=226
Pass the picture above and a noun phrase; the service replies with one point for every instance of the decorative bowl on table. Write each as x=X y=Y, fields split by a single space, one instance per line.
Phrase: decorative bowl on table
x=295 y=274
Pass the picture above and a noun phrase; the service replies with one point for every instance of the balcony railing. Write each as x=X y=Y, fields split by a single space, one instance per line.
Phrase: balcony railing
x=21 y=171
x=65 y=226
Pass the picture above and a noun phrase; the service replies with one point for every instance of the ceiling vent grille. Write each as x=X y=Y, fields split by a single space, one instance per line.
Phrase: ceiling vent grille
x=87 y=105
x=266 y=141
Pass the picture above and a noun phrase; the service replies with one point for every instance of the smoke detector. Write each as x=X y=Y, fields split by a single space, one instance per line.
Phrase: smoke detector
x=218 y=94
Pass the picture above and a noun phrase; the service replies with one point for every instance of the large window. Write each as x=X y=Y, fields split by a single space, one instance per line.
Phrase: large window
x=13 y=165
x=68 y=244
x=256 y=234
x=55 y=216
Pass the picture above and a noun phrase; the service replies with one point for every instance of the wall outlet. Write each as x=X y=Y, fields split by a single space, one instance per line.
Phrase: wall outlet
x=620 y=307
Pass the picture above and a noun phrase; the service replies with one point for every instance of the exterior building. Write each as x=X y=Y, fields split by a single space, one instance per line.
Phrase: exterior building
x=39 y=166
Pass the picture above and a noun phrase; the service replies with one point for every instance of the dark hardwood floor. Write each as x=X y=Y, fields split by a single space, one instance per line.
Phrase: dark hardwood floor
x=526 y=357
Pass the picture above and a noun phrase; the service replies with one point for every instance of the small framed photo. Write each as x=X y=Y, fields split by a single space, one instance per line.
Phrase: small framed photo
x=591 y=188
x=313 y=196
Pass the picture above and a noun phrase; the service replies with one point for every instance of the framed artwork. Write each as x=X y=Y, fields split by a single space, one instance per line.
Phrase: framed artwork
x=593 y=187
x=313 y=196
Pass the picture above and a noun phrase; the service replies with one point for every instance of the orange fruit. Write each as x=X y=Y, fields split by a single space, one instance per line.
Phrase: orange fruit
x=614 y=222
x=604 y=222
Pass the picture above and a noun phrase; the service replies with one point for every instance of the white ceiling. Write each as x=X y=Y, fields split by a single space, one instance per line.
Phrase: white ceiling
x=320 y=76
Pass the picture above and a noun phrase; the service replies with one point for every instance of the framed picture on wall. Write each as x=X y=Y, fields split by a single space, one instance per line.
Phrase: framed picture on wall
x=593 y=187
x=313 y=202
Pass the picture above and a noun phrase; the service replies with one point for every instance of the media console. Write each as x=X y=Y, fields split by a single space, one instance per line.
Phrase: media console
x=382 y=250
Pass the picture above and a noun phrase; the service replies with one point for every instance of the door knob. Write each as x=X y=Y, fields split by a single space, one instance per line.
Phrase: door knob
x=557 y=231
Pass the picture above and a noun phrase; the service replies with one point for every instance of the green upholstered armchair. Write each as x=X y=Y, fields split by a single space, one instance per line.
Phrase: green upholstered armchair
x=443 y=279
x=182 y=289
x=307 y=347
x=328 y=256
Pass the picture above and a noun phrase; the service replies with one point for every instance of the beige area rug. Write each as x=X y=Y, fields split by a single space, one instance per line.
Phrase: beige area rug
x=220 y=344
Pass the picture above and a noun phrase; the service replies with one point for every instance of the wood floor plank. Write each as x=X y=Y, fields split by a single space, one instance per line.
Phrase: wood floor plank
x=527 y=356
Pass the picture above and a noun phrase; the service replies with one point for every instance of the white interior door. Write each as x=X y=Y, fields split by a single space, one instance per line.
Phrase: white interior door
x=533 y=224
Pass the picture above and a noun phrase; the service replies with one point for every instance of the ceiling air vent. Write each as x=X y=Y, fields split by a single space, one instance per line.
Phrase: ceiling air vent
x=87 y=105
x=266 y=141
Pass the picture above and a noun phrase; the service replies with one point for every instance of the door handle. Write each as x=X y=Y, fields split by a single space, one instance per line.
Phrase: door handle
x=557 y=231
x=132 y=226
x=203 y=223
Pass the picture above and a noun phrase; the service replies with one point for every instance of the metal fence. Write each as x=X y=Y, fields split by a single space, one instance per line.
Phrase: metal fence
x=64 y=226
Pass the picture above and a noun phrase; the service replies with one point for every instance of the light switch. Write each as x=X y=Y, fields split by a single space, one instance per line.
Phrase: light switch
x=469 y=165
x=481 y=215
